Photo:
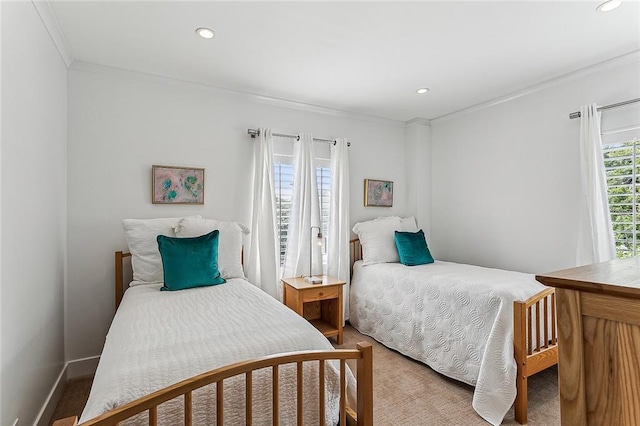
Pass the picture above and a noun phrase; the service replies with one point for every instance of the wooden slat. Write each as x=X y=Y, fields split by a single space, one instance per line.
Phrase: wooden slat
x=146 y=402
x=610 y=307
x=249 y=398
x=554 y=320
x=599 y=350
x=274 y=391
x=299 y=401
x=321 y=392
x=153 y=416
x=219 y=403
x=538 y=334
x=612 y=362
x=571 y=359
x=628 y=371
x=188 y=405
x=529 y=337
x=520 y=355
x=546 y=322
x=541 y=361
x=365 y=382
x=343 y=394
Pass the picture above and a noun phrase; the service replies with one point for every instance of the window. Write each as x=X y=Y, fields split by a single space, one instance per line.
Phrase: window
x=622 y=165
x=283 y=173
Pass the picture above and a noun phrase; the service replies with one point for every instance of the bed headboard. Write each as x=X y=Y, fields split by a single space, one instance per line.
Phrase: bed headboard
x=119 y=281
x=355 y=251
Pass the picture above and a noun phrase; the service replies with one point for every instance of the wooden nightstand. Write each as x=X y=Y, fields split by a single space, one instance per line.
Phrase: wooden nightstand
x=320 y=304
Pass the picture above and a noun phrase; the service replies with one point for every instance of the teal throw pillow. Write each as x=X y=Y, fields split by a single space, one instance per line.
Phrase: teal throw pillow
x=190 y=262
x=412 y=248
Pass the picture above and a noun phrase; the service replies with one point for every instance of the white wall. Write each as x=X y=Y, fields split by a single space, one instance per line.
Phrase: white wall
x=33 y=201
x=121 y=123
x=418 y=169
x=506 y=179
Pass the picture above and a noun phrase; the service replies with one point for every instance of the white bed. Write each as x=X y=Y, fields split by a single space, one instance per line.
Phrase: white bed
x=458 y=319
x=158 y=338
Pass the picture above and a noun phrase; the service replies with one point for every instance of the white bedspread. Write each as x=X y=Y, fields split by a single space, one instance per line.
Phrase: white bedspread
x=456 y=318
x=158 y=338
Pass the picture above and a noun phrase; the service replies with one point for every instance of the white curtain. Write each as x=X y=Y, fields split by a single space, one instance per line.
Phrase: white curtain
x=305 y=213
x=339 y=229
x=595 y=236
x=263 y=262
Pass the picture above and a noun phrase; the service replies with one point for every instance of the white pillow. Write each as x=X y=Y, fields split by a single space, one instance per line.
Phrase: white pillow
x=408 y=224
x=229 y=242
x=377 y=238
x=141 y=237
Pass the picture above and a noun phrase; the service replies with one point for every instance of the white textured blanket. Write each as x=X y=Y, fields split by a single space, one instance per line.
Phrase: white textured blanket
x=456 y=318
x=160 y=338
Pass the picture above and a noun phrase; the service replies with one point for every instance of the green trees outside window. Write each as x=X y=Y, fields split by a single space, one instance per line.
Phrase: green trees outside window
x=622 y=165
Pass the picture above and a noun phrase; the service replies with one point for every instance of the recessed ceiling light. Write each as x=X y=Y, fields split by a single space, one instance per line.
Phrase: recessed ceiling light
x=609 y=5
x=422 y=90
x=206 y=33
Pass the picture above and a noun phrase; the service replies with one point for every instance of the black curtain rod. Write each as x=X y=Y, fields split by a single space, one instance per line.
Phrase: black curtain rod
x=255 y=132
x=602 y=108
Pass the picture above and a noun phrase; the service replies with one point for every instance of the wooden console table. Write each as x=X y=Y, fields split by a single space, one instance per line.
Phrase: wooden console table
x=598 y=342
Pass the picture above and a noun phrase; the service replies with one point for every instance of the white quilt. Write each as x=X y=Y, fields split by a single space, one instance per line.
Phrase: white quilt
x=158 y=338
x=456 y=318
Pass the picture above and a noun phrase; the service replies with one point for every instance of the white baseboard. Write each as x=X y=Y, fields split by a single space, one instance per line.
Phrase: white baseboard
x=70 y=370
x=44 y=416
x=82 y=367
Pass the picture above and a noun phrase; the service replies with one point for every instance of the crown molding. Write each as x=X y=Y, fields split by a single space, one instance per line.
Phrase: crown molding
x=125 y=74
x=48 y=18
x=417 y=121
x=616 y=62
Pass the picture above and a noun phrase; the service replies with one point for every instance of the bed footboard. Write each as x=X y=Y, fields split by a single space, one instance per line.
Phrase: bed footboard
x=535 y=342
x=364 y=410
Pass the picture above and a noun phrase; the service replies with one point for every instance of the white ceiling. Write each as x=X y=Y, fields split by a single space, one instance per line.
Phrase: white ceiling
x=361 y=57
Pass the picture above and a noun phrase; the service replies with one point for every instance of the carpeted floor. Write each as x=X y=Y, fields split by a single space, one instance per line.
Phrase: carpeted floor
x=73 y=399
x=406 y=392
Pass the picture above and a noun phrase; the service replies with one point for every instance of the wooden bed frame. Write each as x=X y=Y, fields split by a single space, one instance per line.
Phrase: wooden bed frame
x=531 y=356
x=363 y=354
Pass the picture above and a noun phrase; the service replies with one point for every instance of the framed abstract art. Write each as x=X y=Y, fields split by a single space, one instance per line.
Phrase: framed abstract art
x=177 y=185
x=378 y=193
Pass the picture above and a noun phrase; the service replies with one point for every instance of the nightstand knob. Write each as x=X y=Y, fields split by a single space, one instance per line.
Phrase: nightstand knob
x=321 y=294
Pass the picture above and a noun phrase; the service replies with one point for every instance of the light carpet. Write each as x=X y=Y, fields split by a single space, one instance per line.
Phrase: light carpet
x=407 y=392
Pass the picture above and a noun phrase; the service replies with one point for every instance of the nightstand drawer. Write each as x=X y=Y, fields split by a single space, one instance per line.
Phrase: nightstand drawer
x=311 y=295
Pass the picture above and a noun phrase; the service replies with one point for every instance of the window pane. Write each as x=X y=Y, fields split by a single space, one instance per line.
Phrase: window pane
x=283 y=174
x=622 y=167
x=323 y=177
x=283 y=179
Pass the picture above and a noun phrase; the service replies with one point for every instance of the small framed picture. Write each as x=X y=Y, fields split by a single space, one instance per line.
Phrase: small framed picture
x=378 y=193
x=177 y=185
